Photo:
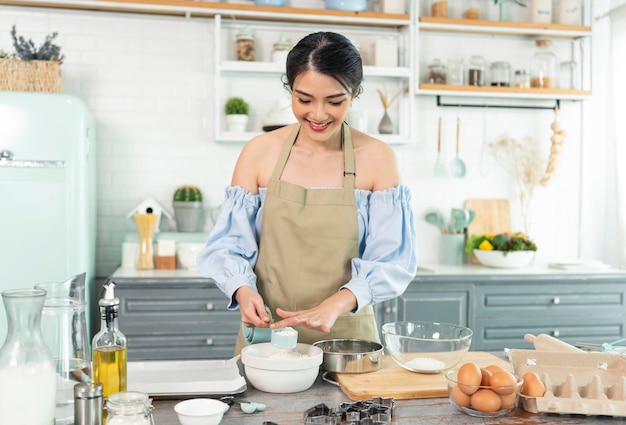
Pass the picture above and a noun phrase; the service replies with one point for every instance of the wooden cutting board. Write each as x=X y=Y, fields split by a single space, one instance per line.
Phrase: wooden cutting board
x=392 y=380
x=492 y=216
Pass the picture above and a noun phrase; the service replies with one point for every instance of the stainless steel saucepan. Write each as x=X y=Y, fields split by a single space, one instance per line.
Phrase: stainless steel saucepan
x=350 y=355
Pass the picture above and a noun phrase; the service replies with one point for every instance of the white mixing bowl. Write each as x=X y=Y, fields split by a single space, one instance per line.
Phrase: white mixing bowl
x=274 y=370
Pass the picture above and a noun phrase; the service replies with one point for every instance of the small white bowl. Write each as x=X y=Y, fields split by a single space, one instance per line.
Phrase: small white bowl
x=504 y=260
x=200 y=411
x=272 y=370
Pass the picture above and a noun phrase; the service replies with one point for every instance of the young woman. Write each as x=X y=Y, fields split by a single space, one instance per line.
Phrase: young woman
x=316 y=225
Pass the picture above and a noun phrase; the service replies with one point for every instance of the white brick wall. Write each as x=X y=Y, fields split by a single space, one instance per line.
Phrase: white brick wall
x=148 y=81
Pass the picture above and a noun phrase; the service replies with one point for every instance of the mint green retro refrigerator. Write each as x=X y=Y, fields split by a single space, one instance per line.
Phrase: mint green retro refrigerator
x=47 y=192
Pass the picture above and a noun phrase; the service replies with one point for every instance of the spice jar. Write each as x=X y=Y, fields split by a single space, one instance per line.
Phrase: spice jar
x=439 y=8
x=281 y=49
x=522 y=79
x=500 y=74
x=129 y=408
x=476 y=71
x=543 y=66
x=436 y=72
x=245 y=44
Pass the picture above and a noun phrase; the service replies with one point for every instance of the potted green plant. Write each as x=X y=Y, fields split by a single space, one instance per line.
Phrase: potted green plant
x=188 y=209
x=236 y=110
x=38 y=68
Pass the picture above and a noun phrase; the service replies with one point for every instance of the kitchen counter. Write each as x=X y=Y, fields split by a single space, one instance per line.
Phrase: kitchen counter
x=288 y=409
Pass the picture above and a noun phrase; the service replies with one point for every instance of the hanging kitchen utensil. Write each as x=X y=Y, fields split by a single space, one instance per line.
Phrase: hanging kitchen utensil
x=440 y=167
x=436 y=218
x=457 y=166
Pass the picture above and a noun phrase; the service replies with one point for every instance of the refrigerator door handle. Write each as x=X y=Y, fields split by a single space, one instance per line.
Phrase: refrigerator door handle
x=6 y=160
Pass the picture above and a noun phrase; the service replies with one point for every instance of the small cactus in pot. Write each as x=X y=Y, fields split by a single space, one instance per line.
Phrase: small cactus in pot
x=188 y=194
x=188 y=209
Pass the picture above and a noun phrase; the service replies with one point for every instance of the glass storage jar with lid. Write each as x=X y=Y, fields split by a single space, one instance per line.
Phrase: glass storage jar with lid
x=129 y=408
x=471 y=9
x=543 y=66
x=437 y=72
x=245 y=44
x=476 y=71
x=281 y=49
x=500 y=74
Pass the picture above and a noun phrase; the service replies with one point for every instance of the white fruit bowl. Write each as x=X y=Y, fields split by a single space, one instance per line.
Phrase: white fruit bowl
x=504 y=260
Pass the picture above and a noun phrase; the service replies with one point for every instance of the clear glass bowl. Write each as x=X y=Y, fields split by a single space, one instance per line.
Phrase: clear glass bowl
x=426 y=347
x=508 y=395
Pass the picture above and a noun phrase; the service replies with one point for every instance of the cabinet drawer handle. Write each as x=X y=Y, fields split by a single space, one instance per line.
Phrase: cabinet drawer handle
x=209 y=341
x=209 y=306
x=556 y=300
x=556 y=333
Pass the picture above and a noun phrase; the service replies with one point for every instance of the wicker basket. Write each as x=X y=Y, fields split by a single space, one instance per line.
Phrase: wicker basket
x=40 y=76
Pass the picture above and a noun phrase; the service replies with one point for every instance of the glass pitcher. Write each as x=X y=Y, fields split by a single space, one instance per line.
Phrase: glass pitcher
x=27 y=377
x=64 y=329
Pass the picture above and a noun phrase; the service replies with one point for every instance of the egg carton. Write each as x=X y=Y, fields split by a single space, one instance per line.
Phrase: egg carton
x=576 y=383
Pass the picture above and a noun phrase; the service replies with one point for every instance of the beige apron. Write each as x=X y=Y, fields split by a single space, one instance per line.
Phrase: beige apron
x=308 y=238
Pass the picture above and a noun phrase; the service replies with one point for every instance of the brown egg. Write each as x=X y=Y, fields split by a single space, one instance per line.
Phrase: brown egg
x=494 y=368
x=469 y=377
x=486 y=377
x=508 y=400
x=531 y=376
x=459 y=397
x=486 y=401
x=533 y=388
x=503 y=382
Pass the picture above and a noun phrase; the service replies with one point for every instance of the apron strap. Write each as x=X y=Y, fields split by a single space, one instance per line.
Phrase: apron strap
x=284 y=153
x=349 y=172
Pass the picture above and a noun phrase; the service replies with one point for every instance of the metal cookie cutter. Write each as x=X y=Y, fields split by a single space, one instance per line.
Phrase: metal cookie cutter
x=375 y=411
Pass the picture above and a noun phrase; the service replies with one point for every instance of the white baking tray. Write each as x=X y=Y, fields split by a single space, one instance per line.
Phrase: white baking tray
x=185 y=377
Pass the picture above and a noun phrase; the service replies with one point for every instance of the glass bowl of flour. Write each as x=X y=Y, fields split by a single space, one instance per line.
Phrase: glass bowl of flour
x=426 y=347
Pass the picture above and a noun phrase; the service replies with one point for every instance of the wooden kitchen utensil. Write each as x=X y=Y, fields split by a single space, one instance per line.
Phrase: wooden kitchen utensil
x=392 y=380
x=440 y=167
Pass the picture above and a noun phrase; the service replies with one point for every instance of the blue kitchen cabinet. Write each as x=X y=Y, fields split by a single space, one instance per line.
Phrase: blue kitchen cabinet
x=504 y=305
x=167 y=316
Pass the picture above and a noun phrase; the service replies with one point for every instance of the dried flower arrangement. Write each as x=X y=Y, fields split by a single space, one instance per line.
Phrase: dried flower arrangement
x=384 y=97
x=525 y=161
x=27 y=51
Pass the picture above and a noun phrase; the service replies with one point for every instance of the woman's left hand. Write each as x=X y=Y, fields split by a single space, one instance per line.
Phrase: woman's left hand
x=322 y=317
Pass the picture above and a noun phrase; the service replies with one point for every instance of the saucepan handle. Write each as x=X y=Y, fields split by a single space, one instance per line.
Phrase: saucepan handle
x=327 y=378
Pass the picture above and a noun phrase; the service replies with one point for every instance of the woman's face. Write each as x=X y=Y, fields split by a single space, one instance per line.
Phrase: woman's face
x=320 y=104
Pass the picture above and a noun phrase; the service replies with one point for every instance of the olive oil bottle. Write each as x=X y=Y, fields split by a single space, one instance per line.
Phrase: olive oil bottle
x=109 y=346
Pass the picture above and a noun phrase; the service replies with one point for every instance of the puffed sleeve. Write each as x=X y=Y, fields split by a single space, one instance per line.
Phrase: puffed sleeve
x=231 y=251
x=388 y=260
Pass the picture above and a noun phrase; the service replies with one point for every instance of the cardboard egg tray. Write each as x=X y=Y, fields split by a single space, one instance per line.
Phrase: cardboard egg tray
x=576 y=383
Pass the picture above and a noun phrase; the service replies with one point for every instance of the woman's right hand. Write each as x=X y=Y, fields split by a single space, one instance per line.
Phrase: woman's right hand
x=252 y=308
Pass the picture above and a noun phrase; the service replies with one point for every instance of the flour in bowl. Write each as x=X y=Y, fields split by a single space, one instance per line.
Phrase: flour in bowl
x=426 y=364
x=287 y=354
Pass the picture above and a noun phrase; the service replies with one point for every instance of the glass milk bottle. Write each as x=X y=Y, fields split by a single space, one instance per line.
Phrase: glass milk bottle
x=27 y=373
x=109 y=346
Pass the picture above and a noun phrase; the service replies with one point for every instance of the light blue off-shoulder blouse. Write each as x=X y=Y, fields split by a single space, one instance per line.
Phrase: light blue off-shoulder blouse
x=387 y=244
